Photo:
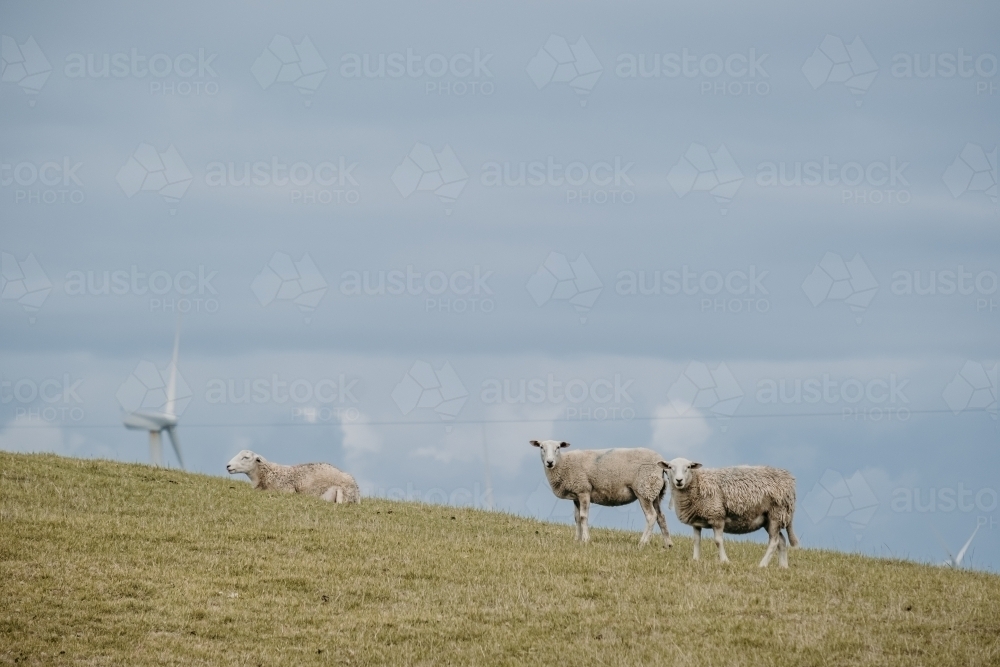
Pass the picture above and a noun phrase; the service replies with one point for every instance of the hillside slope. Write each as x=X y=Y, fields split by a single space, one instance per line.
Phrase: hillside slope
x=108 y=563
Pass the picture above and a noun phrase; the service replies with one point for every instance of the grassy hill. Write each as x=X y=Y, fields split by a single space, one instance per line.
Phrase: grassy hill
x=110 y=564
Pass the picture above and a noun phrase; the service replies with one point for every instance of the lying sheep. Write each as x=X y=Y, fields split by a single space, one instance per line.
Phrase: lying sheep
x=606 y=477
x=737 y=500
x=315 y=479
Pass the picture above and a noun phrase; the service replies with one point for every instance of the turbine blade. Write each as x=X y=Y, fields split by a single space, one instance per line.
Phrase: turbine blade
x=171 y=406
x=172 y=432
x=965 y=547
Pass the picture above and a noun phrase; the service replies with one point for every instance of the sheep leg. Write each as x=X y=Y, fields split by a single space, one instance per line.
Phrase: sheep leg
x=662 y=521
x=774 y=533
x=717 y=534
x=782 y=551
x=334 y=494
x=697 y=543
x=649 y=511
x=576 y=518
x=584 y=514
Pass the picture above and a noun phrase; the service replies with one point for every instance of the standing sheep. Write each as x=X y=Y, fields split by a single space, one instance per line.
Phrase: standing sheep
x=736 y=500
x=606 y=477
x=314 y=479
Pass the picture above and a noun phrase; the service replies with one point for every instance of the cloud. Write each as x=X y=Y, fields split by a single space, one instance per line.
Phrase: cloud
x=41 y=437
x=510 y=428
x=675 y=435
x=360 y=440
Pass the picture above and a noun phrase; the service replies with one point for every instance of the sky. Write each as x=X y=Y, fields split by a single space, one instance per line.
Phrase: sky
x=407 y=240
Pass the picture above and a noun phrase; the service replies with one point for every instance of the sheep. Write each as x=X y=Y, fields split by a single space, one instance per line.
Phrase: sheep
x=315 y=479
x=606 y=477
x=737 y=500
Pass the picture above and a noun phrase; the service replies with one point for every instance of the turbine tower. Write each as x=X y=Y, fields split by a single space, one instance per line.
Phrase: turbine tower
x=156 y=421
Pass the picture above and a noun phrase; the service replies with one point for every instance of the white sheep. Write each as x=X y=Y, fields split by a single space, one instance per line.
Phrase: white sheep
x=315 y=479
x=737 y=500
x=606 y=477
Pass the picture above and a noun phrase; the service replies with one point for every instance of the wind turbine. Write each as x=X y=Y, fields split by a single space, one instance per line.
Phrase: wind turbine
x=956 y=561
x=156 y=421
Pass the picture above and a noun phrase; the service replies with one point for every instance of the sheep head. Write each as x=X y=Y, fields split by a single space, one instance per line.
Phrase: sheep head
x=678 y=472
x=243 y=462
x=550 y=450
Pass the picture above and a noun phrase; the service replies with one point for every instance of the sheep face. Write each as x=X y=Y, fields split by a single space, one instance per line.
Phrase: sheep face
x=550 y=450
x=678 y=472
x=244 y=462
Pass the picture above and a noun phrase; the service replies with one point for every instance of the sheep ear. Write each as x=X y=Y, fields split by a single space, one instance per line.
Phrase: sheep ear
x=564 y=444
x=694 y=466
x=665 y=465
x=535 y=443
x=258 y=459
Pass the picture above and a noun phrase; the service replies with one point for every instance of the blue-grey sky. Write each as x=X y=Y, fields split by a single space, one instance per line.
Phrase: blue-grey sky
x=406 y=240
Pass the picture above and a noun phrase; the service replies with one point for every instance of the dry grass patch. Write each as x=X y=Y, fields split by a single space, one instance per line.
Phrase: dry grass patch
x=105 y=563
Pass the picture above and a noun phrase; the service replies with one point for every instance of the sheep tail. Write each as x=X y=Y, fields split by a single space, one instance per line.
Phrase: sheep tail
x=793 y=539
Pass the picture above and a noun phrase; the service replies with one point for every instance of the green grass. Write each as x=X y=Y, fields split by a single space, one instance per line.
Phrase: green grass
x=105 y=563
